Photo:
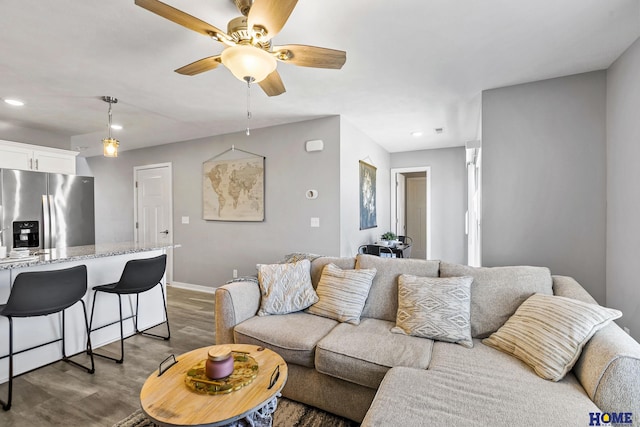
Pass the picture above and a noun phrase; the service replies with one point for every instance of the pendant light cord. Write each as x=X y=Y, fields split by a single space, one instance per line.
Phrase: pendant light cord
x=248 y=106
x=109 y=125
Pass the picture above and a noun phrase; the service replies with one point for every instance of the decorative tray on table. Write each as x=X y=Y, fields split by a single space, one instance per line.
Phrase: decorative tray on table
x=245 y=369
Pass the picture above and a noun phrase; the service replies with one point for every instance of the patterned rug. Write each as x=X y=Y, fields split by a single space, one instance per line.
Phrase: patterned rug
x=288 y=414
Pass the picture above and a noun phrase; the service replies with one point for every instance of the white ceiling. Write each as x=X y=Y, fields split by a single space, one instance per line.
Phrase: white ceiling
x=411 y=65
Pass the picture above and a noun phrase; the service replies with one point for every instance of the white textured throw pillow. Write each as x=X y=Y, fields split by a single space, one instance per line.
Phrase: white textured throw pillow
x=285 y=288
x=548 y=332
x=435 y=307
x=342 y=293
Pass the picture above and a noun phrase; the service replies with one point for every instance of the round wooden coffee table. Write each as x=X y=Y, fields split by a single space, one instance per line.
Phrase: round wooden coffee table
x=168 y=401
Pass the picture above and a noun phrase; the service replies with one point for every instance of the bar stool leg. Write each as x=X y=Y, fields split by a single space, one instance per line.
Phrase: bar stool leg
x=93 y=309
x=166 y=316
x=65 y=358
x=89 y=348
x=121 y=331
x=7 y=405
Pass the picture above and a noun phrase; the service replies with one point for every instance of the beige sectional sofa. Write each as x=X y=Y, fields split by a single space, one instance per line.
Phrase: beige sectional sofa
x=370 y=375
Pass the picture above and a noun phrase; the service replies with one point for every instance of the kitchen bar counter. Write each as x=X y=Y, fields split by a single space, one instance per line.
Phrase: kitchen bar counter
x=105 y=263
x=77 y=253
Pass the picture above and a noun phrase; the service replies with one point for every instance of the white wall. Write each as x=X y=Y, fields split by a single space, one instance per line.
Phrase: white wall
x=356 y=146
x=211 y=249
x=623 y=180
x=543 y=177
x=448 y=198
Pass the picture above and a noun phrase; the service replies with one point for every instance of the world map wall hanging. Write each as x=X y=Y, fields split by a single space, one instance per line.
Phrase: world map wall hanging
x=233 y=189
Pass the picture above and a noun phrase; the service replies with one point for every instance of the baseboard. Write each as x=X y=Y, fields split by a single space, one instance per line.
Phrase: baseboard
x=192 y=287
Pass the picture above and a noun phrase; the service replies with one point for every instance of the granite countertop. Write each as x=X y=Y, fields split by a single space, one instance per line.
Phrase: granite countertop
x=75 y=253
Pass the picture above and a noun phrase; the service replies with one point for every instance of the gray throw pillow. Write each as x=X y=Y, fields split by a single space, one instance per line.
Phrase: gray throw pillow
x=285 y=288
x=342 y=293
x=548 y=333
x=435 y=307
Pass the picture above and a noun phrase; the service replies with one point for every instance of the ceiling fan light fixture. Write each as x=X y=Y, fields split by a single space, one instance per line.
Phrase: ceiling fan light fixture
x=246 y=61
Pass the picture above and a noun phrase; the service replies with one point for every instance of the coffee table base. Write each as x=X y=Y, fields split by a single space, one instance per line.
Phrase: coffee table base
x=261 y=417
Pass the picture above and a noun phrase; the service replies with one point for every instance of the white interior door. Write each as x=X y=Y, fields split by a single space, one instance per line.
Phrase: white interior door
x=153 y=213
x=401 y=182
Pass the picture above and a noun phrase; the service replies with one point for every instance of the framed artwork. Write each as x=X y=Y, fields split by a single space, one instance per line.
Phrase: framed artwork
x=367 y=196
x=233 y=190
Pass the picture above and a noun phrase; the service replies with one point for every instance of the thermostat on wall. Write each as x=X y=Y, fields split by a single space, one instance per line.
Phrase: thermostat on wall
x=315 y=145
x=312 y=194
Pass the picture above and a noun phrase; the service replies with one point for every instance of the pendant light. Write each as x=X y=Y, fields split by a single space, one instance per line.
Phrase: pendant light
x=110 y=145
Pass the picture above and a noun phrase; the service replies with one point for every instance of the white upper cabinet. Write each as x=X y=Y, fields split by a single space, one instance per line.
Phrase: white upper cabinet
x=15 y=155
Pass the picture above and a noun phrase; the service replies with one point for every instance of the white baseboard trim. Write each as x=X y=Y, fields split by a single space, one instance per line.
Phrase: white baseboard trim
x=192 y=287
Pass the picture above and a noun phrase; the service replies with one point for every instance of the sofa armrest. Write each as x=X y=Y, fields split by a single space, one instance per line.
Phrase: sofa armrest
x=609 y=370
x=566 y=286
x=235 y=303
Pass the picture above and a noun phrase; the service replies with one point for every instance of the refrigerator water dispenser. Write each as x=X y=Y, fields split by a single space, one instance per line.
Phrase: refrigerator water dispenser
x=26 y=234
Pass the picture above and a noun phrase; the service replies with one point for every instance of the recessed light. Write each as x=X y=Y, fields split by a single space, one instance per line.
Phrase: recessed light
x=14 y=102
x=116 y=127
x=416 y=133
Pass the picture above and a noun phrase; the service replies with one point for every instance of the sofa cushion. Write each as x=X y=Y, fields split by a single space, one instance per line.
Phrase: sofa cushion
x=318 y=264
x=477 y=386
x=285 y=288
x=293 y=336
x=497 y=398
x=342 y=293
x=435 y=307
x=548 y=332
x=496 y=292
x=383 y=297
x=363 y=353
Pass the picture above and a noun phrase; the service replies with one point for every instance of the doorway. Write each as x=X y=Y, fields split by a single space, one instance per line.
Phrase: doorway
x=410 y=207
x=153 y=207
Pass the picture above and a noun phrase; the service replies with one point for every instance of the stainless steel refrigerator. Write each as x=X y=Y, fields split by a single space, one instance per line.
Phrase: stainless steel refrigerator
x=40 y=211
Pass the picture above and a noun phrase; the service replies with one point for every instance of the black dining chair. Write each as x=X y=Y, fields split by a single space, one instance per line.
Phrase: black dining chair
x=138 y=276
x=42 y=293
x=376 y=250
x=405 y=240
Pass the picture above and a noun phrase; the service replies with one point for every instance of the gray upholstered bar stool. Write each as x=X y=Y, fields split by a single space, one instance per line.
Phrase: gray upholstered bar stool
x=41 y=293
x=139 y=275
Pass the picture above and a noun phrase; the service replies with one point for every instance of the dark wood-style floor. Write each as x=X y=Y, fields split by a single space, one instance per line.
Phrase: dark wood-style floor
x=62 y=395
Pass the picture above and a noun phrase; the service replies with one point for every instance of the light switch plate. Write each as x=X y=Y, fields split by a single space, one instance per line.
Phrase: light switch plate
x=185 y=220
x=315 y=222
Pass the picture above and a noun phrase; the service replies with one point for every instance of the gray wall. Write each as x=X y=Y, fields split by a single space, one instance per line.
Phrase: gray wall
x=212 y=249
x=543 y=177
x=13 y=132
x=623 y=177
x=448 y=198
x=356 y=146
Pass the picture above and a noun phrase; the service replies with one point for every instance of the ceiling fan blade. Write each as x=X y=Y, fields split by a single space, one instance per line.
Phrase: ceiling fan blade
x=200 y=66
x=269 y=16
x=179 y=17
x=311 y=56
x=272 y=85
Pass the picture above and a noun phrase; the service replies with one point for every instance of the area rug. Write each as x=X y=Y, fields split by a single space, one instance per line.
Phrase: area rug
x=288 y=414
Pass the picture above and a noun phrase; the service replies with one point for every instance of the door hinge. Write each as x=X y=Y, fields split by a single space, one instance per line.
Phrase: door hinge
x=136 y=184
x=136 y=225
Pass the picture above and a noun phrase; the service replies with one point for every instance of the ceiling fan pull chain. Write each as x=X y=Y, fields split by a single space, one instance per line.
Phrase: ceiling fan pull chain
x=248 y=104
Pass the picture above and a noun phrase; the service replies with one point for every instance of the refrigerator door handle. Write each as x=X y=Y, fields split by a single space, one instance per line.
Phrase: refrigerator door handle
x=46 y=223
x=54 y=223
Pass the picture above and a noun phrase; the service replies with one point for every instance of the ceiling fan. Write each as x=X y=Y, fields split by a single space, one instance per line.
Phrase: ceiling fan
x=249 y=54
